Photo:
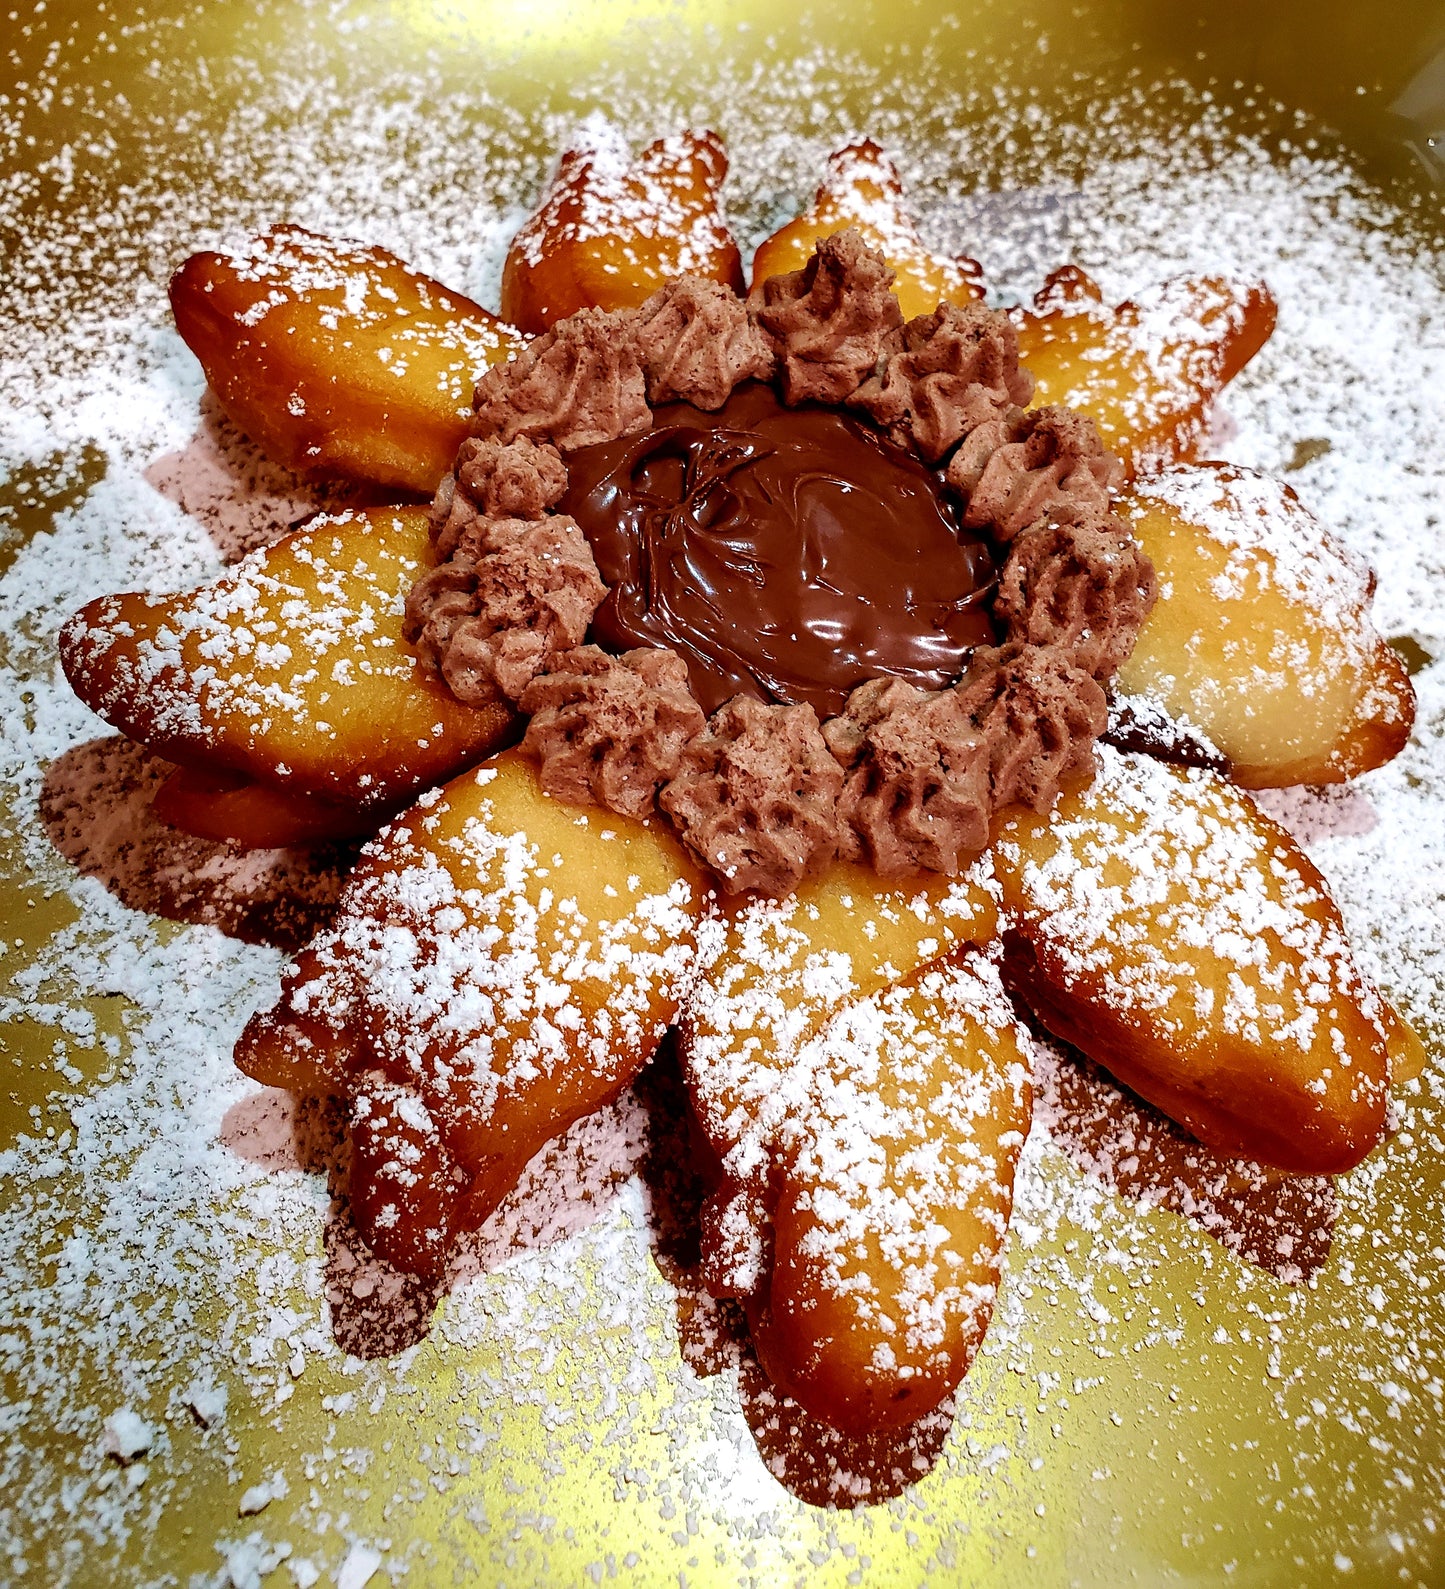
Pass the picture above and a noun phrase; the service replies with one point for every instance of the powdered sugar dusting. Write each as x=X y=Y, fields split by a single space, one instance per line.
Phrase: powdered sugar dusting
x=1177 y=887
x=546 y=1428
x=900 y=1164
x=623 y=197
x=783 y=969
x=1269 y=539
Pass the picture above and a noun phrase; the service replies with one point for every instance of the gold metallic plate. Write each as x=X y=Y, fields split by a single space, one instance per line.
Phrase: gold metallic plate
x=202 y=1380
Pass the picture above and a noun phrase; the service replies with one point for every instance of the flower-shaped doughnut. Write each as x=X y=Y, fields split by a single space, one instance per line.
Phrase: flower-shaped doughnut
x=503 y=961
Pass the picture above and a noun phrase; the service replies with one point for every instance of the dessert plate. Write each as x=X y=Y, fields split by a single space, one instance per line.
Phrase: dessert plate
x=1196 y=1373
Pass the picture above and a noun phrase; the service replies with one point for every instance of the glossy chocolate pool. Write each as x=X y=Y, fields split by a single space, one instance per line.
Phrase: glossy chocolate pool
x=786 y=553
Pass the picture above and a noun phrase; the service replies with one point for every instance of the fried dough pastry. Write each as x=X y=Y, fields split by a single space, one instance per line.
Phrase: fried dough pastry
x=1261 y=637
x=501 y=964
x=892 y=1174
x=861 y=189
x=338 y=359
x=1148 y=370
x=1161 y=923
x=1406 y=1049
x=230 y=808
x=289 y=669
x=783 y=969
x=815 y=1135
x=608 y=232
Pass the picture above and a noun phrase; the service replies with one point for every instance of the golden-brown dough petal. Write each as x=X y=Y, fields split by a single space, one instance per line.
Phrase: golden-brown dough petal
x=229 y=808
x=894 y=1199
x=786 y=966
x=501 y=964
x=1162 y=924
x=1261 y=636
x=290 y=668
x=762 y=1071
x=1406 y=1048
x=609 y=232
x=338 y=359
x=1148 y=370
x=862 y=189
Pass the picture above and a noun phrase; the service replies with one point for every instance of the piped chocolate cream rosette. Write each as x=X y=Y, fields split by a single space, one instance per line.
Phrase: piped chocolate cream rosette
x=809 y=626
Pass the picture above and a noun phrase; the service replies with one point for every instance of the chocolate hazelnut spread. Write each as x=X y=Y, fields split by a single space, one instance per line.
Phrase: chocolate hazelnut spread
x=789 y=554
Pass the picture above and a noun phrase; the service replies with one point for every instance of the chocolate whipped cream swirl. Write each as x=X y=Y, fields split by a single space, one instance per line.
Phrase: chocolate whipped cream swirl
x=712 y=559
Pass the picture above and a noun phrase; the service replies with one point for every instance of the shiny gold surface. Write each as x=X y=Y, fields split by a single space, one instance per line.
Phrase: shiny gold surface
x=1171 y=1416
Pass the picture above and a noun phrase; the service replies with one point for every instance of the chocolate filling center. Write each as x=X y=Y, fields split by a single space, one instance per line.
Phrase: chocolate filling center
x=786 y=553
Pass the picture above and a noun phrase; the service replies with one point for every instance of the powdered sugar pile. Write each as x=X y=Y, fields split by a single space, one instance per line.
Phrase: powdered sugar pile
x=183 y=1324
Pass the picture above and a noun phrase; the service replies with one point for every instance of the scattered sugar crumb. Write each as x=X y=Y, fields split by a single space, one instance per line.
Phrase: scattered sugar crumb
x=361 y=1564
x=127 y=1435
